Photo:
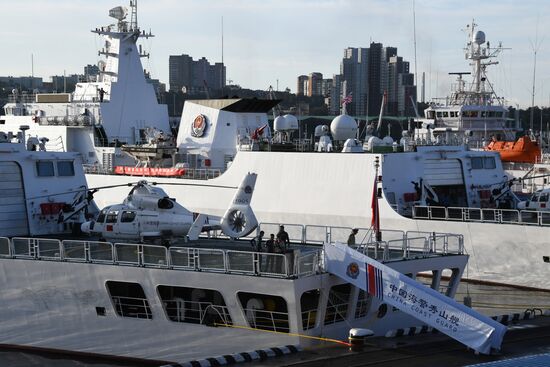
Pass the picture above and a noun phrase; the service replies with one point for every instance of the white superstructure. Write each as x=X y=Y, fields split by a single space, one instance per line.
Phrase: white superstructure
x=41 y=192
x=473 y=109
x=102 y=114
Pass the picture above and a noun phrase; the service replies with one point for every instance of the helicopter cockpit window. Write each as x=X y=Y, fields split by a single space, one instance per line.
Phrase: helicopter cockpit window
x=165 y=203
x=102 y=215
x=111 y=217
x=127 y=217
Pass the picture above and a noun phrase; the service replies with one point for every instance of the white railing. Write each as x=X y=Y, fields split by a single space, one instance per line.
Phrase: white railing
x=296 y=262
x=487 y=215
x=267 y=320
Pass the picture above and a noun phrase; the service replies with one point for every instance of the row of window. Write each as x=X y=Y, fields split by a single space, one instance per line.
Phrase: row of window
x=48 y=168
x=110 y=216
x=483 y=163
x=206 y=306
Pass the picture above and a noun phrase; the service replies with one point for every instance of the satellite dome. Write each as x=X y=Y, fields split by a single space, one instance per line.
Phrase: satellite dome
x=479 y=38
x=292 y=121
x=280 y=124
x=321 y=130
x=343 y=127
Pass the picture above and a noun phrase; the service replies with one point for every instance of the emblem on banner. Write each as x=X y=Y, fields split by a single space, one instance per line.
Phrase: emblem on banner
x=353 y=270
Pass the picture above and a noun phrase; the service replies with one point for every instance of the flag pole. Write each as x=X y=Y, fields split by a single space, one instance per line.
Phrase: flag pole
x=375 y=222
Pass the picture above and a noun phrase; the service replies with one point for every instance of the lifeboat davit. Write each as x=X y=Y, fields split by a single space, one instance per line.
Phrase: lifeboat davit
x=523 y=150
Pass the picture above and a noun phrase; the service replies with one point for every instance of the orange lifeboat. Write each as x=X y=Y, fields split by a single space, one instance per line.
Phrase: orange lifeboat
x=523 y=150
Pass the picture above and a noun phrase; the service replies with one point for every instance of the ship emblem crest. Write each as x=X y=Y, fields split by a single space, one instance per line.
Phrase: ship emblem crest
x=248 y=190
x=353 y=270
x=198 y=126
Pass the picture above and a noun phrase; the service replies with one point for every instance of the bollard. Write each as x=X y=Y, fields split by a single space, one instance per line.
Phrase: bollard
x=357 y=338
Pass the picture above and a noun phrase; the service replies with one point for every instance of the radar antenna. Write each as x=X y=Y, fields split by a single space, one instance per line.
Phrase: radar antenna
x=133 y=17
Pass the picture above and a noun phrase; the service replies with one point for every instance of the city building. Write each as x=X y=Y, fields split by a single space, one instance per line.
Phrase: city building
x=315 y=84
x=302 y=86
x=22 y=82
x=195 y=76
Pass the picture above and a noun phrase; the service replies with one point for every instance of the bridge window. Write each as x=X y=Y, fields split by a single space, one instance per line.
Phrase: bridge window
x=483 y=163
x=127 y=216
x=266 y=312
x=445 y=114
x=65 y=168
x=44 y=169
x=194 y=305
x=309 y=302
x=129 y=300
x=477 y=163
x=489 y=163
x=338 y=303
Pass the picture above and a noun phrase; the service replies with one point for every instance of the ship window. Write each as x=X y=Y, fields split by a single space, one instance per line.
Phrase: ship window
x=65 y=168
x=454 y=114
x=489 y=163
x=127 y=217
x=129 y=300
x=338 y=302
x=484 y=114
x=477 y=162
x=363 y=304
x=44 y=168
x=264 y=311
x=309 y=303
x=111 y=217
x=431 y=115
x=439 y=113
x=445 y=114
x=194 y=305
x=543 y=198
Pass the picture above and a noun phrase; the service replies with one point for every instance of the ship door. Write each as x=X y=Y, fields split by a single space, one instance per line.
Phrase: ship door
x=13 y=211
x=446 y=179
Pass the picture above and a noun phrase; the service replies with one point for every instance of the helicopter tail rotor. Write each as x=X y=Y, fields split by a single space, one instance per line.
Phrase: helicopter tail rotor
x=239 y=220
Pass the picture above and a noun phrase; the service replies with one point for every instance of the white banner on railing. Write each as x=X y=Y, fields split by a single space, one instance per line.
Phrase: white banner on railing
x=461 y=323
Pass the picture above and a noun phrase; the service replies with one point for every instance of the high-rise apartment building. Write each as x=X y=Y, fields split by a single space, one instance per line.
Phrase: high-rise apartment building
x=195 y=76
x=315 y=84
x=302 y=85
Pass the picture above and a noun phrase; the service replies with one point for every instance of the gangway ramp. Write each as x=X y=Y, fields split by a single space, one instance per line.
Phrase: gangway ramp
x=461 y=323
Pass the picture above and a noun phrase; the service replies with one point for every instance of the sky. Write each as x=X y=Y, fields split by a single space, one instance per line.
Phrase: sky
x=273 y=41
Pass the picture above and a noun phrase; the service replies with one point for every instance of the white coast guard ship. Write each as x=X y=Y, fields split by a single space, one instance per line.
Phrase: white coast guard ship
x=220 y=138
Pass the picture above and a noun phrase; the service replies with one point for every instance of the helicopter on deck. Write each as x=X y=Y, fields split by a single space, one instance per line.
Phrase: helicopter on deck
x=148 y=214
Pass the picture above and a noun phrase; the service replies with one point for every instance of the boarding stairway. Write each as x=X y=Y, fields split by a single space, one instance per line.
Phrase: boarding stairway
x=461 y=323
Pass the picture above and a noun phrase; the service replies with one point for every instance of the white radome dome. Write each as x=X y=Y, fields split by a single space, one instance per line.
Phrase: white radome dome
x=343 y=127
x=387 y=140
x=280 y=124
x=292 y=121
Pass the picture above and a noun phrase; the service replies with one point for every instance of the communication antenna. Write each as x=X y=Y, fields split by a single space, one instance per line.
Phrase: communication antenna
x=133 y=17
x=414 y=33
x=535 y=46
